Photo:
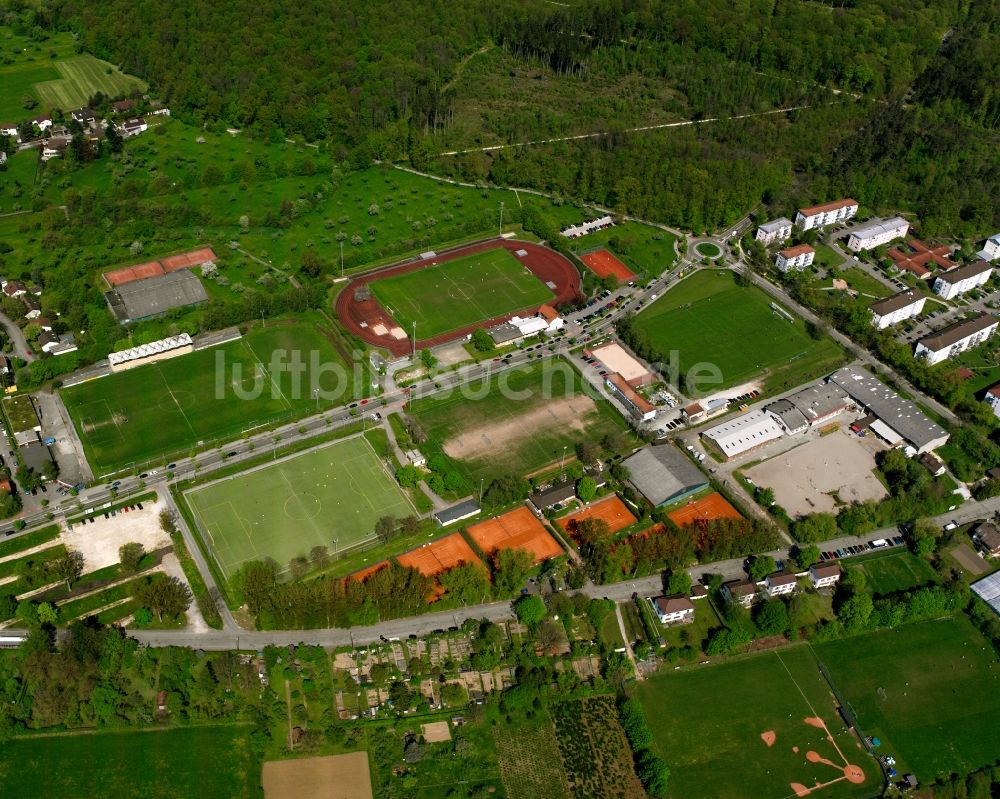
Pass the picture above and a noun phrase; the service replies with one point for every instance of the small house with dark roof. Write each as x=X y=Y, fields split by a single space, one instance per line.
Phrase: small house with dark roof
x=673 y=610
x=986 y=537
x=742 y=591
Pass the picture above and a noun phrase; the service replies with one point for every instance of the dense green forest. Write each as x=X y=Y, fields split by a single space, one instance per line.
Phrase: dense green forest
x=898 y=100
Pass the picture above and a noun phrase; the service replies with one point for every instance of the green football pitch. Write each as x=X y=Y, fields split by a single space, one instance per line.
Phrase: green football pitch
x=458 y=293
x=331 y=496
x=708 y=319
x=930 y=691
x=168 y=407
x=754 y=727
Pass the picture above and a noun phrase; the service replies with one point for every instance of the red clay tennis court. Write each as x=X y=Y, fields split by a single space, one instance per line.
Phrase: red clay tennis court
x=714 y=506
x=438 y=556
x=368 y=571
x=127 y=274
x=612 y=510
x=518 y=529
x=603 y=263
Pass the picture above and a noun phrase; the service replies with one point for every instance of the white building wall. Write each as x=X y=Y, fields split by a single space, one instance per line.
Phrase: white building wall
x=949 y=290
x=960 y=346
x=899 y=315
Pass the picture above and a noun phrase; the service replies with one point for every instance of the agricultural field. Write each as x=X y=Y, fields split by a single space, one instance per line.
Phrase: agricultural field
x=645 y=249
x=80 y=78
x=168 y=407
x=530 y=765
x=898 y=570
x=520 y=425
x=764 y=734
x=703 y=315
x=595 y=753
x=454 y=294
x=330 y=496
x=155 y=764
x=929 y=690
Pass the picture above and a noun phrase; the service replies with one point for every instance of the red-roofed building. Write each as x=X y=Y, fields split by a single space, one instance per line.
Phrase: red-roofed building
x=826 y=214
x=798 y=257
x=637 y=405
x=921 y=258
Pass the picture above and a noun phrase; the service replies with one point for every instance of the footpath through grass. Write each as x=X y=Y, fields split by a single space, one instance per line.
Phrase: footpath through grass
x=207 y=762
x=930 y=691
x=709 y=320
x=711 y=724
x=461 y=292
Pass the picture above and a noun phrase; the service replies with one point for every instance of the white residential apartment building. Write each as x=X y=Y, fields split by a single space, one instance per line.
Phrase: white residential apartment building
x=990 y=251
x=956 y=338
x=779 y=229
x=798 y=257
x=965 y=278
x=826 y=214
x=875 y=234
x=897 y=308
x=993 y=400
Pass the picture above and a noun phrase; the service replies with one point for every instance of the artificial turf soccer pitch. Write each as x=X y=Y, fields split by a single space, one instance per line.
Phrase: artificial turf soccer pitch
x=331 y=496
x=168 y=407
x=458 y=293
x=707 y=318
x=709 y=724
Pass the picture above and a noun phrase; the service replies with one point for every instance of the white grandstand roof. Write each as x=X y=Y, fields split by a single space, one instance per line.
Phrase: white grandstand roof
x=153 y=348
x=529 y=326
x=988 y=590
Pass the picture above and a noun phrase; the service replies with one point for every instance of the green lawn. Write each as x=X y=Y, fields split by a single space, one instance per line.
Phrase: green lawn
x=171 y=406
x=940 y=693
x=331 y=496
x=708 y=250
x=517 y=424
x=709 y=320
x=19 y=82
x=207 y=762
x=898 y=570
x=461 y=292
x=707 y=723
x=826 y=256
x=80 y=78
x=643 y=248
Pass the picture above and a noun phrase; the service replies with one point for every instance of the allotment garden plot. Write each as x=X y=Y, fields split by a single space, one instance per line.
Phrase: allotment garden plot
x=170 y=406
x=764 y=726
x=331 y=496
x=708 y=319
x=453 y=294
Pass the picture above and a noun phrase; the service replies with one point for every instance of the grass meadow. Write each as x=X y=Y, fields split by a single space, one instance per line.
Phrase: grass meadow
x=929 y=690
x=707 y=318
x=170 y=406
x=708 y=723
x=520 y=423
x=461 y=292
x=80 y=78
x=208 y=762
x=331 y=496
x=645 y=249
x=898 y=570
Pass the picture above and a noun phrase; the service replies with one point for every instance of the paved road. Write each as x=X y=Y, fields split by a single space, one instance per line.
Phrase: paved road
x=20 y=344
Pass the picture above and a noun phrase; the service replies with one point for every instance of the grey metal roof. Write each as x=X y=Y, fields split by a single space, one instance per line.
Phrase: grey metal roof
x=786 y=413
x=988 y=590
x=815 y=402
x=505 y=332
x=776 y=224
x=661 y=473
x=35 y=456
x=554 y=494
x=152 y=296
x=463 y=510
x=901 y=414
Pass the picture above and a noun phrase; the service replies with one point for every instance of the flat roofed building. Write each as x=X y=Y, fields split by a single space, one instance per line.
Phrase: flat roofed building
x=744 y=433
x=144 y=299
x=897 y=308
x=956 y=338
x=641 y=408
x=900 y=414
x=798 y=257
x=663 y=474
x=819 y=404
x=779 y=229
x=876 y=233
x=963 y=279
x=456 y=513
x=826 y=214
x=617 y=359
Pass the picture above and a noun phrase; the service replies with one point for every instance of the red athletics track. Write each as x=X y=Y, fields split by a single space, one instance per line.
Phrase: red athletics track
x=360 y=318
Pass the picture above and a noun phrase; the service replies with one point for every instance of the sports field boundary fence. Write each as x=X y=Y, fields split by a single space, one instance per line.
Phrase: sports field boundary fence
x=846 y=709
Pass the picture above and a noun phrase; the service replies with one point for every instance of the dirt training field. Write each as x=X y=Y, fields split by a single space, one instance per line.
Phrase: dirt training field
x=518 y=529
x=714 y=506
x=612 y=510
x=332 y=777
x=99 y=541
x=603 y=263
x=805 y=479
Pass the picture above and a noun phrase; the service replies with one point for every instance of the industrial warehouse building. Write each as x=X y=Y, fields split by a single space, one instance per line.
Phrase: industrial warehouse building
x=744 y=433
x=153 y=296
x=897 y=414
x=663 y=474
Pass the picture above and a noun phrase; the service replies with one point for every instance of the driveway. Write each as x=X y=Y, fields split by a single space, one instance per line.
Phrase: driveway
x=20 y=344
